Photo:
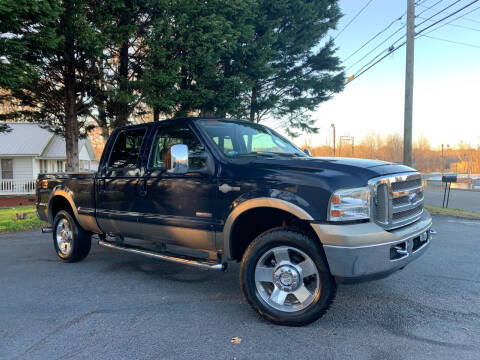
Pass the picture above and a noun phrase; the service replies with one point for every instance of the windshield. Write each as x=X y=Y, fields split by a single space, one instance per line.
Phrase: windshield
x=238 y=138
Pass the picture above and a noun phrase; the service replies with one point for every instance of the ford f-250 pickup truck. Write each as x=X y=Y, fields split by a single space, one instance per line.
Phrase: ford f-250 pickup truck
x=202 y=192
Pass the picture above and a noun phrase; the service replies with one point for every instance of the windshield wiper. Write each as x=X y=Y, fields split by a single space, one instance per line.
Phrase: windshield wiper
x=269 y=153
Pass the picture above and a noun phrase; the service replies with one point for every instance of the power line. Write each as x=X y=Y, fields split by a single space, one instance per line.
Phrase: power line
x=458 y=17
x=373 y=38
x=446 y=17
x=428 y=7
x=353 y=19
x=456 y=25
x=452 y=41
x=475 y=21
x=386 y=39
x=438 y=12
x=393 y=49
x=376 y=47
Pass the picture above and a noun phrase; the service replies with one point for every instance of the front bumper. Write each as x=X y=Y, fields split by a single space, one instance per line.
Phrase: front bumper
x=361 y=252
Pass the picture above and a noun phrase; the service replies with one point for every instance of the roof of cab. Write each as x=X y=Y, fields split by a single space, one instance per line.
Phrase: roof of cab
x=189 y=118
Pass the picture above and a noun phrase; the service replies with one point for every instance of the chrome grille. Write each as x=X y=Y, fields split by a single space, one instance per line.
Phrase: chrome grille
x=396 y=186
x=407 y=213
x=397 y=199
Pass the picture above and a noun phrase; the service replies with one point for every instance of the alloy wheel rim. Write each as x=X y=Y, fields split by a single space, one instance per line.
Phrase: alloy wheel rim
x=64 y=237
x=287 y=279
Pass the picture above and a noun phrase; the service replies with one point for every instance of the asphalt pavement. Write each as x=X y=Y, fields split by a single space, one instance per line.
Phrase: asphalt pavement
x=115 y=305
x=459 y=199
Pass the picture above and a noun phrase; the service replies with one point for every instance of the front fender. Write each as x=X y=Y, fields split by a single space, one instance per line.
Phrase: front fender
x=275 y=199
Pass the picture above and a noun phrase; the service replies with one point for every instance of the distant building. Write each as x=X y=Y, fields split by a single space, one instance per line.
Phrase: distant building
x=29 y=150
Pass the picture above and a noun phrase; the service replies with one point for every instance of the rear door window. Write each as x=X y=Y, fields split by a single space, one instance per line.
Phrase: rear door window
x=126 y=149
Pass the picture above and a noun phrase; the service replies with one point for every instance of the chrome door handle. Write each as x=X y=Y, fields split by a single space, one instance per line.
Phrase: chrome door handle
x=225 y=188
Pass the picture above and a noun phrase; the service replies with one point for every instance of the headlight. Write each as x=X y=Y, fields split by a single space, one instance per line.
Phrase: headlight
x=349 y=204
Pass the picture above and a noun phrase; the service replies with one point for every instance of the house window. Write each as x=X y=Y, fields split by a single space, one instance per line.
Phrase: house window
x=7 y=169
x=59 y=166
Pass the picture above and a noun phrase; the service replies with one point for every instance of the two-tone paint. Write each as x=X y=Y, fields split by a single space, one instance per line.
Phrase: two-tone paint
x=198 y=210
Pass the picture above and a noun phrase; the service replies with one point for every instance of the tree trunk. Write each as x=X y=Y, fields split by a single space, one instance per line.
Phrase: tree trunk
x=156 y=114
x=253 y=102
x=122 y=106
x=206 y=113
x=102 y=120
x=71 y=123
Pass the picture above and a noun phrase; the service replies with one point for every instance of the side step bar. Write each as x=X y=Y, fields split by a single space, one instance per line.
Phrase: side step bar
x=163 y=256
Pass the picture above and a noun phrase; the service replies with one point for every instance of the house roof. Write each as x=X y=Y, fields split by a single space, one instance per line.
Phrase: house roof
x=24 y=139
x=31 y=139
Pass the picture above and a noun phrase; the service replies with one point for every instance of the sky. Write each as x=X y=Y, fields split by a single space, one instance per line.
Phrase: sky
x=446 y=82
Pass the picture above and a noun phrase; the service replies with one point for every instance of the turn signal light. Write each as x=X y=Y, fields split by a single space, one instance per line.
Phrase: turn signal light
x=335 y=213
x=42 y=184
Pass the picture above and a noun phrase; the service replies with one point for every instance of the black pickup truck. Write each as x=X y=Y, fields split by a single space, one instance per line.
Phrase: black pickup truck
x=202 y=192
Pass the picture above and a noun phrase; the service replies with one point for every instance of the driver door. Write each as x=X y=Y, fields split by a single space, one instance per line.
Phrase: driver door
x=178 y=208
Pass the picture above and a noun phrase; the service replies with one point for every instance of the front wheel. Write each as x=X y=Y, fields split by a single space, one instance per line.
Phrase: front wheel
x=284 y=276
x=71 y=242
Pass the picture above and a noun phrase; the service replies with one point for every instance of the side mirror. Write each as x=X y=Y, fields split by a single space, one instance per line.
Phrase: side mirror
x=306 y=151
x=177 y=159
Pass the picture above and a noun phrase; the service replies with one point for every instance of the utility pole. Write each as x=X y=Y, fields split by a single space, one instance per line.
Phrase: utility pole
x=407 y=122
x=333 y=126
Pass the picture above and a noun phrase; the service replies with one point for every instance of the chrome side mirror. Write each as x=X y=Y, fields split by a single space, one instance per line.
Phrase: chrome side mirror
x=306 y=151
x=177 y=159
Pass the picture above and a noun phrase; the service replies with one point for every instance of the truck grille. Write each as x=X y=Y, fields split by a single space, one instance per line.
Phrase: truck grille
x=397 y=199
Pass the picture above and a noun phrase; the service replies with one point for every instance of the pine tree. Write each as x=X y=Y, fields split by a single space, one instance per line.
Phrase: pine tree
x=288 y=63
x=57 y=63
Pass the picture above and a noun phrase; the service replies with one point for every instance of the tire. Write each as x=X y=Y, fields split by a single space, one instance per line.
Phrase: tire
x=71 y=242
x=276 y=288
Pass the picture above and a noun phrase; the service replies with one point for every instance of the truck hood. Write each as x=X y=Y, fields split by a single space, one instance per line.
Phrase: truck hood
x=363 y=168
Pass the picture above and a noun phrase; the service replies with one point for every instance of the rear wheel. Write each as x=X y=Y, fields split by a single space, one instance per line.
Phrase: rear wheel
x=71 y=242
x=284 y=276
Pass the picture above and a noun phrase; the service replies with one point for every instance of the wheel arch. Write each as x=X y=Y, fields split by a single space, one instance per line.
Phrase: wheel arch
x=277 y=206
x=60 y=199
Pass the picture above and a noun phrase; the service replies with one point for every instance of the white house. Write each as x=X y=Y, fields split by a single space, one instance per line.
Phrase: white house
x=29 y=150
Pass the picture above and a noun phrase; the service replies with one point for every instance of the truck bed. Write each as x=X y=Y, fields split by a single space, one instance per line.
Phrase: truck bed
x=80 y=186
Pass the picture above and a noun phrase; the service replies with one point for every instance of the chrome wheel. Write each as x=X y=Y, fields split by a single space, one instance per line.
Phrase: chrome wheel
x=287 y=279
x=64 y=236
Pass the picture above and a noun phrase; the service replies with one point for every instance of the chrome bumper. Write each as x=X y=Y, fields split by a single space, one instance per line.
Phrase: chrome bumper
x=361 y=252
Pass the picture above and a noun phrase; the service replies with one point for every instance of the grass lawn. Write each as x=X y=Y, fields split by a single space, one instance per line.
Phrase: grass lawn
x=8 y=222
x=452 y=212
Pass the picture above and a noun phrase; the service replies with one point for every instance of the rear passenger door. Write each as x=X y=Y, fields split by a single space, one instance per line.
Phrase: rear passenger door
x=117 y=183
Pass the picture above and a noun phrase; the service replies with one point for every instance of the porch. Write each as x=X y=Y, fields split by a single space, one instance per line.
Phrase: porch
x=17 y=186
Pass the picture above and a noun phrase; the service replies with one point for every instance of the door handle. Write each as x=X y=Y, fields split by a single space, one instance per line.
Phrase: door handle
x=142 y=187
x=101 y=185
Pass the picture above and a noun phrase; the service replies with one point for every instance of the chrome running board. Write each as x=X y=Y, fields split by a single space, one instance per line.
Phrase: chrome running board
x=165 y=256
